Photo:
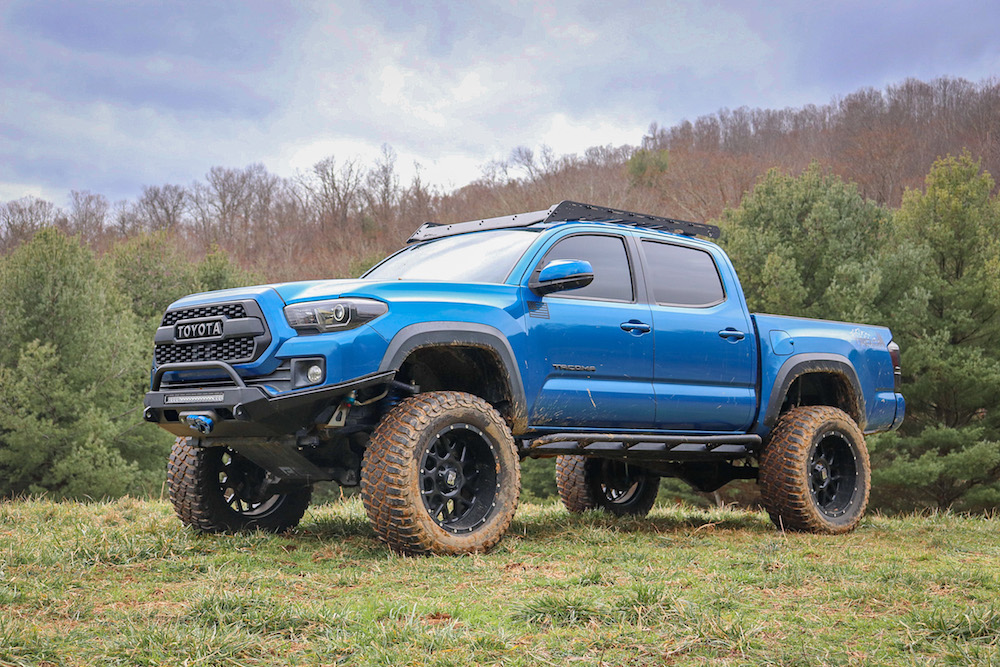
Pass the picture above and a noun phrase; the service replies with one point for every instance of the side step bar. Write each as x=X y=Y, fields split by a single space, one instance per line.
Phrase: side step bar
x=656 y=447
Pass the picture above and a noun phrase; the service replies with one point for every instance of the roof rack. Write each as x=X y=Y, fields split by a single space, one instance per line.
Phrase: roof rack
x=563 y=212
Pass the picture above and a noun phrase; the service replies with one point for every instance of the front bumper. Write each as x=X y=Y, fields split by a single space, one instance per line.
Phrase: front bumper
x=238 y=410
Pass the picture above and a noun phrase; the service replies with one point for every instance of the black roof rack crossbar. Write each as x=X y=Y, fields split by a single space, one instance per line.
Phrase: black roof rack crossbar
x=434 y=230
x=571 y=210
x=564 y=212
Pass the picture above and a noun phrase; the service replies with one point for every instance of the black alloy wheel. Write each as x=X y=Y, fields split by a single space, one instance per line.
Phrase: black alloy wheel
x=458 y=478
x=215 y=489
x=612 y=485
x=619 y=484
x=833 y=474
x=622 y=488
x=815 y=474
x=441 y=475
x=241 y=484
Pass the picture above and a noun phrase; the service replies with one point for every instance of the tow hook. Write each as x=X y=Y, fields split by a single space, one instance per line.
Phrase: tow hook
x=203 y=422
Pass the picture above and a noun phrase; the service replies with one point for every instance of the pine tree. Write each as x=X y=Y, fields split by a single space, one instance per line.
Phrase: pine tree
x=948 y=451
x=73 y=368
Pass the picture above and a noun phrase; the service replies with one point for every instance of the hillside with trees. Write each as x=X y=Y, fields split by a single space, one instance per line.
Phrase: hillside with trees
x=877 y=207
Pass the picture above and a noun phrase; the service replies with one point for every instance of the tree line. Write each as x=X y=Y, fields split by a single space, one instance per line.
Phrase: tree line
x=878 y=208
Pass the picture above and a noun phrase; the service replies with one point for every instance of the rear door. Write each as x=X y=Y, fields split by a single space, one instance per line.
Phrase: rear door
x=591 y=349
x=705 y=370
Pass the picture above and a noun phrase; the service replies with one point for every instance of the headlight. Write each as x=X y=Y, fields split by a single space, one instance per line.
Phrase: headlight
x=333 y=315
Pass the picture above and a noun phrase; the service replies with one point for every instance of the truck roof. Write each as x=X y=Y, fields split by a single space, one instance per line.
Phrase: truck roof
x=567 y=211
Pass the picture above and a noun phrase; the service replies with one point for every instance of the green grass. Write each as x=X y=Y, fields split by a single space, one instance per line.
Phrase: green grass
x=122 y=583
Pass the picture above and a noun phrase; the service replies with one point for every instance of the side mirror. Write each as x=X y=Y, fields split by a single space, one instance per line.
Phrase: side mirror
x=562 y=274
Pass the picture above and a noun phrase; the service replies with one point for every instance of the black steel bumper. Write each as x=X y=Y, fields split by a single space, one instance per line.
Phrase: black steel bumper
x=239 y=410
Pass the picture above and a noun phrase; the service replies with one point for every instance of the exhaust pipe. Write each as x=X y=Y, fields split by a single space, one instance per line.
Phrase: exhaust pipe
x=203 y=422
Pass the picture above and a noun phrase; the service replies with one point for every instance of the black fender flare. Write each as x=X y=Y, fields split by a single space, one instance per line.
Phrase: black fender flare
x=471 y=334
x=804 y=364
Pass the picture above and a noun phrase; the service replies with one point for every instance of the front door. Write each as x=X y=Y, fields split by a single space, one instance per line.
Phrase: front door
x=591 y=348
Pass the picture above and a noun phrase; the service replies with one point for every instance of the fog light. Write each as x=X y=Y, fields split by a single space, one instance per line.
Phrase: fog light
x=314 y=374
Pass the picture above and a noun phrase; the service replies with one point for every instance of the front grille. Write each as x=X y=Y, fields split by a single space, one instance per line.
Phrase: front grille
x=232 y=350
x=233 y=311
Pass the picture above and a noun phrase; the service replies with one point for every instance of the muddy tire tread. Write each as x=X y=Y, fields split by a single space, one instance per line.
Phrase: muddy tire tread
x=571 y=482
x=784 y=481
x=389 y=470
x=192 y=493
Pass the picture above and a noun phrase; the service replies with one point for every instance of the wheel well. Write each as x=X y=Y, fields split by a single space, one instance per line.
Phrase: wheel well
x=476 y=370
x=824 y=388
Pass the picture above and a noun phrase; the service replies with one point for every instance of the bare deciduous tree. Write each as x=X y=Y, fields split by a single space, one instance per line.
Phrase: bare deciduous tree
x=334 y=190
x=21 y=218
x=88 y=213
x=162 y=207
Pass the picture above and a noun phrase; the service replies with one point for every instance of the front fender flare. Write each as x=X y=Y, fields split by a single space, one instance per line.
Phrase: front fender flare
x=471 y=334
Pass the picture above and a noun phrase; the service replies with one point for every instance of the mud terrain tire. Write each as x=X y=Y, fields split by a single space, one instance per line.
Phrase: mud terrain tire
x=814 y=473
x=211 y=489
x=571 y=481
x=441 y=475
x=614 y=486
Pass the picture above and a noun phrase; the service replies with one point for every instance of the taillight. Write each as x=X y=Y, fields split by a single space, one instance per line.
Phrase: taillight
x=897 y=372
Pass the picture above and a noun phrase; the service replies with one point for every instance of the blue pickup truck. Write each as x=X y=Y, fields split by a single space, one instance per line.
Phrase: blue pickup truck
x=616 y=341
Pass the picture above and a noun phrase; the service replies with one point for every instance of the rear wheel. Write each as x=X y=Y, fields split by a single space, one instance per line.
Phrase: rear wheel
x=215 y=489
x=441 y=475
x=615 y=486
x=815 y=474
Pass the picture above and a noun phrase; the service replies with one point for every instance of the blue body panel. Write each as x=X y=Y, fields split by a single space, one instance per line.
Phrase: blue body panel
x=617 y=393
x=787 y=340
x=578 y=367
x=704 y=382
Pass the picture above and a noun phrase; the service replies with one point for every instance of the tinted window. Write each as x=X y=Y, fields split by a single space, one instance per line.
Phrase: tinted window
x=612 y=278
x=682 y=276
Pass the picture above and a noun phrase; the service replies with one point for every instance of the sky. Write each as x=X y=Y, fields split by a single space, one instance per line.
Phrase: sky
x=111 y=96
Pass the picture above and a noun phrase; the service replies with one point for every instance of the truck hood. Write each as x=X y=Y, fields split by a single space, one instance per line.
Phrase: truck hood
x=308 y=290
x=289 y=292
x=393 y=291
x=389 y=291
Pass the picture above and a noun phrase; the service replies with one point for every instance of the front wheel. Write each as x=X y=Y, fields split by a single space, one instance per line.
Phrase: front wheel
x=814 y=473
x=618 y=487
x=216 y=490
x=441 y=475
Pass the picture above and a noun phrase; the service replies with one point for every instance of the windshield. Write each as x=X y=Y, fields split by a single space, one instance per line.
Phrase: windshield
x=481 y=257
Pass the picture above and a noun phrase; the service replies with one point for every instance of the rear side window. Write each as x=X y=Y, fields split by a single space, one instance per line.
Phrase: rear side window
x=683 y=276
x=612 y=276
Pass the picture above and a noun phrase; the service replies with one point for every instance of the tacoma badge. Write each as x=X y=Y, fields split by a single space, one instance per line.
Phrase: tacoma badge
x=574 y=367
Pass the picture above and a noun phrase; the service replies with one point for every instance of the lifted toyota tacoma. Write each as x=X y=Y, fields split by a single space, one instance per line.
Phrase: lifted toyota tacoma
x=616 y=341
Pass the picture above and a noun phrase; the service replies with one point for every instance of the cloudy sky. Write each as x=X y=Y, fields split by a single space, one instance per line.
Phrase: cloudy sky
x=110 y=96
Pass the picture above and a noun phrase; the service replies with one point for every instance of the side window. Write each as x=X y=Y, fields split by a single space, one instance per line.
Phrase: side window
x=683 y=276
x=612 y=276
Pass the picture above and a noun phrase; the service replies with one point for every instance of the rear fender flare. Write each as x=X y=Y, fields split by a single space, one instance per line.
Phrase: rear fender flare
x=804 y=364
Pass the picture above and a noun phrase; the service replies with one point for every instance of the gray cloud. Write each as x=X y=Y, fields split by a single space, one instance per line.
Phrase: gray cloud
x=110 y=96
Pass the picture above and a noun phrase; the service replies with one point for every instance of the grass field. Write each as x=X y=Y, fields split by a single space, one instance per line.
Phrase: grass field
x=122 y=583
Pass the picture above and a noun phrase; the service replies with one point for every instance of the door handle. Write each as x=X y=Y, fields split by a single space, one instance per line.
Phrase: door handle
x=732 y=334
x=636 y=327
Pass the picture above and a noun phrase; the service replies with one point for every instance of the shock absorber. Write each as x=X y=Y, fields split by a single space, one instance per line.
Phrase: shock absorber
x=397 y=392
